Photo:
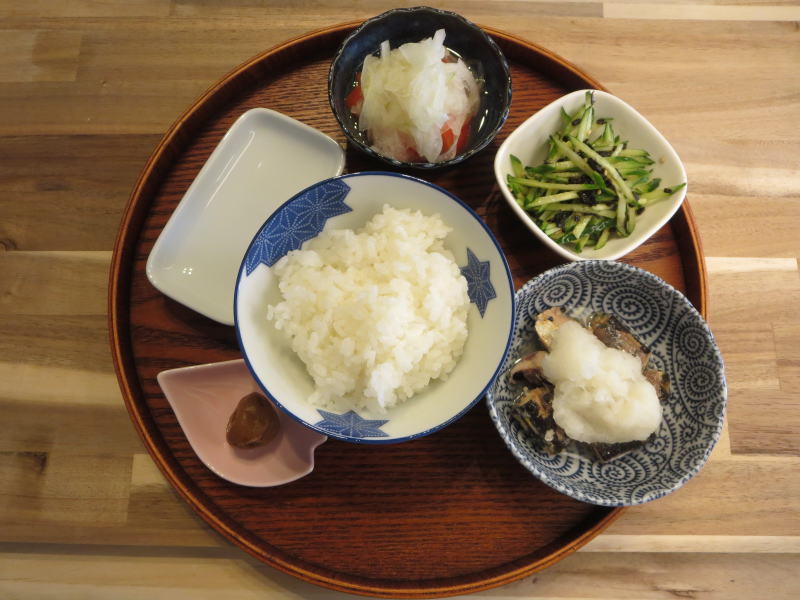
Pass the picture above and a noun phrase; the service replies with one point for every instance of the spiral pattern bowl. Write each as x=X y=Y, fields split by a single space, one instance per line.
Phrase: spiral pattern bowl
x=682 y=346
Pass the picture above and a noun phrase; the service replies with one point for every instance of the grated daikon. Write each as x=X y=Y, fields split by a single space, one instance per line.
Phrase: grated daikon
x=600 y=393
x=412 y=96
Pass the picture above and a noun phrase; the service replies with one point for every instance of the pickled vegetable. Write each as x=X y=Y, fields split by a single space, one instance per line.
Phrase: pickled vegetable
x=591 y=187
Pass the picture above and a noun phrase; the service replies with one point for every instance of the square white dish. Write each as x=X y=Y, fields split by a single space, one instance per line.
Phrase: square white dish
x=529 y=142
x=264 y=159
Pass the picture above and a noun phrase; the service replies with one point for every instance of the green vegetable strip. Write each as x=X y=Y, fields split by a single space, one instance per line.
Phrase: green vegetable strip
x=563 y=177
x=581 y=208
x=563 y=165
x=600 y=182
x=625 y=193
x=516 y=166
x=663 y=192
x=565 y=118
x=552 y=198
x=601 y=241
x=611 y=171
x=550 y=185
x=582 y=240
x=636 y=153
x=649 y=187
x=576 y=159
x=578 y=116
x=606 y=138
x=631 y=219
x=658 y=195
x=556 y=167
x=579 y=228
x=586 y=124
x=553 y=153
x=621 y=204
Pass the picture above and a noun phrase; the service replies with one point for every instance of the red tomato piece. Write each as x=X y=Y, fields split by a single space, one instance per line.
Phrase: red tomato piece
x=354 y=97
x=463 y=137
x=448 y=137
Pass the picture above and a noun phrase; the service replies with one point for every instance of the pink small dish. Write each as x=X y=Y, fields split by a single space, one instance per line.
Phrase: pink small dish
x=203 y=398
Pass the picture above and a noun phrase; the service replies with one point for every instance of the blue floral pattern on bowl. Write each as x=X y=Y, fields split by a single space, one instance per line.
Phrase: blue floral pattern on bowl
x=297 y=222
x=350 y=424
x=479 y=284
x=681 y=345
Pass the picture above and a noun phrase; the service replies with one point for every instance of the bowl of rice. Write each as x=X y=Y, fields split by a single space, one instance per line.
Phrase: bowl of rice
x=676 y=342
x=374 y=307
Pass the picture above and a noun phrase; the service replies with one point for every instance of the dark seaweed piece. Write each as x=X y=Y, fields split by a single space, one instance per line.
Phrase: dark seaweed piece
x=607 y=452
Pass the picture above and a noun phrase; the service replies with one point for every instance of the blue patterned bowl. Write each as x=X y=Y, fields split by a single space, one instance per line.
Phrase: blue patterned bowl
x=682 y=346
x=349 y=202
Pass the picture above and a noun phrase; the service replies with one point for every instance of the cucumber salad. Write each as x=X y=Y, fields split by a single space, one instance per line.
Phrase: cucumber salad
x=591 y=185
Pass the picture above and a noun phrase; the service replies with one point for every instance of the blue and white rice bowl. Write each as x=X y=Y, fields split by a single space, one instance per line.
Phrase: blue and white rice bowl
x=348 y=202
x=682 y=346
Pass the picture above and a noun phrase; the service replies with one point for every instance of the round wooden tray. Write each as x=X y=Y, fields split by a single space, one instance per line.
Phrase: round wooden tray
x=451 y=513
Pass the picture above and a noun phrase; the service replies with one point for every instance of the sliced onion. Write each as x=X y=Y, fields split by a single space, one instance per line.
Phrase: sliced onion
x=410 y=93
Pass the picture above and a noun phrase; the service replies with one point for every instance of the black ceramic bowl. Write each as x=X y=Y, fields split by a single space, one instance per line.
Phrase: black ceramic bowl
x=403 y=25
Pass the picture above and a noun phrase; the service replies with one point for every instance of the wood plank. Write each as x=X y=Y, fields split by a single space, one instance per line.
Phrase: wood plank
x=659 y=576
x=74 y=342
x=77 y=220
x=75 y=283
x=96 y=107
x=735 y=544
x=34 y=383
x=763 y=418
x=737 y=496
x=765 y=423
x=787 y=350
x=132 y=54
x=39 y=55
x=334 y=12
x=583 y=576
x=748 y=350
x=738 y=296
x=71 y=163
x=154 y=515
x=9 y=9
x=82 y=430
x=729 y=223
x=60 y=177
x=155 y=512
x=625 y=10
x=72 y=489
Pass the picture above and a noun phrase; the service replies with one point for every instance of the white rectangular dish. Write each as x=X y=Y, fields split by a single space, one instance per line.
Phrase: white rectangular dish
x=264 y=159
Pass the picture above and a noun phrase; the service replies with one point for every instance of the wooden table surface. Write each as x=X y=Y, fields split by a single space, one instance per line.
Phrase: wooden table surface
x=87 y=88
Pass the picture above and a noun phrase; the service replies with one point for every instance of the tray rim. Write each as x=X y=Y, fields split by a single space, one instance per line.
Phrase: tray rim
x=161 y=158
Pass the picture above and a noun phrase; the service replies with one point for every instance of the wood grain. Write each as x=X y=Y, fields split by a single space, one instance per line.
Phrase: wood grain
x=81 y=114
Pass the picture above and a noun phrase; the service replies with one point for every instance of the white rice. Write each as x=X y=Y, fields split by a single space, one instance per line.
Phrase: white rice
x=375 y=314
